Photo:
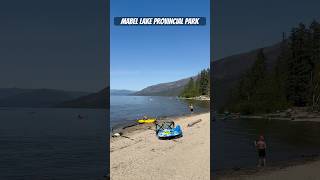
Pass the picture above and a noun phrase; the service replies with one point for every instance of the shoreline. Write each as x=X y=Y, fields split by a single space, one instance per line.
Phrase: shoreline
x=133 y=126
x=141 y=155
x=198 y=98
x=307 y=165
x=286 y=170
x=294 y=115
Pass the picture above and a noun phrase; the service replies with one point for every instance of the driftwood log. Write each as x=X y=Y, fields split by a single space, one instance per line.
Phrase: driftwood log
x=194 y=122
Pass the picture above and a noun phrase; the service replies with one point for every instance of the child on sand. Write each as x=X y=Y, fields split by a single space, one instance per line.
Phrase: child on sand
x=261 y=148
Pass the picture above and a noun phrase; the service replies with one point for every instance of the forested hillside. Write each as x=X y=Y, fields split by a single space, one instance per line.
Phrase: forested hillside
x=294 y=80
x=198 y=86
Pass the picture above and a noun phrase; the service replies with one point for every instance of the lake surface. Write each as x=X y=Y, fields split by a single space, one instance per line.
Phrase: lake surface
x=286 y=140
x=127 y=109
x=52 y=143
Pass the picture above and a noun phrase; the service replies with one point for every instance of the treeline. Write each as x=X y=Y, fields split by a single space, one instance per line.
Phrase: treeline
x=198 y=86
x=293 y=81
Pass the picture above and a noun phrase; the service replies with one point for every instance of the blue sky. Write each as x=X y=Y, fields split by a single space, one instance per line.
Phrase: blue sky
x=53 y=44
x=146 y=55
x=240 y=26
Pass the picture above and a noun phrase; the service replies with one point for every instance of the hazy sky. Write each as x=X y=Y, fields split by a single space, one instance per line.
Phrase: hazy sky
x=53 y=44
x=144 y=56
x=247 y=24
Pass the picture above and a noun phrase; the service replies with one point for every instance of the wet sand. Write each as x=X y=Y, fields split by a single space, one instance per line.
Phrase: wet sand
x=303 y=170
x=141 y=155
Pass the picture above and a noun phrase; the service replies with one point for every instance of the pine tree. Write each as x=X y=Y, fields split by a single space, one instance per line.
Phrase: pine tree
x=315 y=61
x=250 y=90
x=208 y=85
x=299 y=66
x=200 y=86
x=258 y=71
x=280 y=75
x=204 y=82
x=256 y=76
x=293 y=81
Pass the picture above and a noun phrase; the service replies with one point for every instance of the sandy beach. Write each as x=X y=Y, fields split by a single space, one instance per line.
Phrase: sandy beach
x=141 y=155
x=305 y=171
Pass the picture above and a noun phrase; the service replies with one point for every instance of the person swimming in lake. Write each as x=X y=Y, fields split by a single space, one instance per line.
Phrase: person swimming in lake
x=261 y=148
x=191 y=108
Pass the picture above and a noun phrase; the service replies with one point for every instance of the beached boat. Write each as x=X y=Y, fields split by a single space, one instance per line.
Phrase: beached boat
x=142 y=121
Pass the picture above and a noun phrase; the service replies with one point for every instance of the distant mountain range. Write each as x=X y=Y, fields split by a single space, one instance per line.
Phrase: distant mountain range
x=95 y=100
x=16 y=97
x=116 y=92
x=100 y=99
x=164 y=89
x=38 y=98
x=6 y=92
x=228 y=71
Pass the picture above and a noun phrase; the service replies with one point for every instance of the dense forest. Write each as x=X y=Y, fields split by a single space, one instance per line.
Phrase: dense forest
x=294 y=81
x=198 y=86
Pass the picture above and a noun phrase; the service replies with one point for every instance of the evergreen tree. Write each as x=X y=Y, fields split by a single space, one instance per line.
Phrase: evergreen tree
x=299 y=66
x=279 y=76
x=204 y=82
x=200 y=86
x=208 y=85
x=293 y=81
x=251 y=89
x=315 y=61
x=256 y=76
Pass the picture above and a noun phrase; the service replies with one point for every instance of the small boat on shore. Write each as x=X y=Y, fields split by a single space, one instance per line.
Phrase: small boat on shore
x=143 y=121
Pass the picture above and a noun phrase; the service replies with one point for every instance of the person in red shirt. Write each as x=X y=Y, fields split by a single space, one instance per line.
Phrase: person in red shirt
x=261 y=148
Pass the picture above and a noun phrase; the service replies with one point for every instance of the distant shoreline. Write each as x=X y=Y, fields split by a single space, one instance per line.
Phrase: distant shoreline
x=292 y=114
x=198 y=98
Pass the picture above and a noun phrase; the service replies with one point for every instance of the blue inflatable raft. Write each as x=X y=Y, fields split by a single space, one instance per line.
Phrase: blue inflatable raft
x=167 y=130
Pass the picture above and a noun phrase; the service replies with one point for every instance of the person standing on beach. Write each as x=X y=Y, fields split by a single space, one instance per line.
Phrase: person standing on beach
x=191 y=108
x=261 y=148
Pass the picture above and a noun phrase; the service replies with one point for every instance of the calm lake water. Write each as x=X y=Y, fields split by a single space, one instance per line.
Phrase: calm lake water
x=52 y=144
x=286 y=140
x=127 y=109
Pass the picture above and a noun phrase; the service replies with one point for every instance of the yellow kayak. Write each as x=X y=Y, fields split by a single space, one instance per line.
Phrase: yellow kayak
x=146 y=120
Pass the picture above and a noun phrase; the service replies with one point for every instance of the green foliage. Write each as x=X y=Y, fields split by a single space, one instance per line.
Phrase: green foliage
x=293 y=81
x=299 y=66
x=200 y=86
x=254 y=93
